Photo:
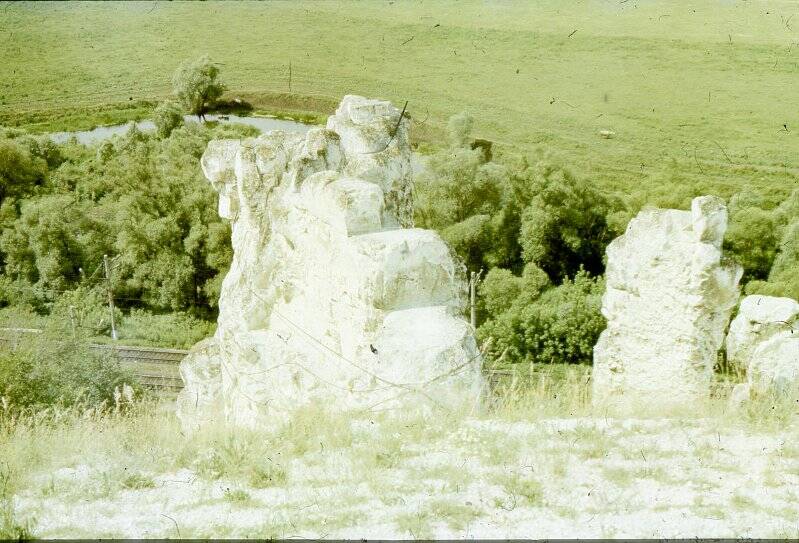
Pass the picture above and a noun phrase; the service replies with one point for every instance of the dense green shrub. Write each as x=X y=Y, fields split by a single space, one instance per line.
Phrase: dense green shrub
x=765 y=241
x=530 y=223
x=499 y=290
x=527 y=221
x=139 y=199
x=21 y=315
x=20 y=170
x=751 y=238
x=511 y=213
x=46 y=371
x=559 y=325
x=564 y=225
x=82 y=313
x=167 y=116
x=783 y=279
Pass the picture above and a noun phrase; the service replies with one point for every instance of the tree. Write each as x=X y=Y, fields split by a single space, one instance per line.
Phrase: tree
x=765 y=241
x=560 y=325
x=564 y=226
x=459 y=130
x=20 y=170
x=499 y=290
x=783 y=280
x=54 y=236
x=143 y=201
x=167 y=116
x=196 y=86
x=752 y=240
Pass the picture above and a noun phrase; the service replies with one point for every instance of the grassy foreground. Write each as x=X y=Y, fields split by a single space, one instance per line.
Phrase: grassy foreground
x=695 y=91
x=535 y=462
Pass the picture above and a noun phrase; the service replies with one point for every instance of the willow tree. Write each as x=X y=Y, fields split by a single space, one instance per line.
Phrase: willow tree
x=196 y=86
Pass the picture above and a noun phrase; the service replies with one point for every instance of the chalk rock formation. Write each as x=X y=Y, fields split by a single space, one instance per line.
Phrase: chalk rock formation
x=668 y=300
x=764 y=340
x=331 y=294
x=201 y=394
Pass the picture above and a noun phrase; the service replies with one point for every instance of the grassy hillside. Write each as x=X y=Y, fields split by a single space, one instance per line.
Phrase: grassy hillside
x=704 y=92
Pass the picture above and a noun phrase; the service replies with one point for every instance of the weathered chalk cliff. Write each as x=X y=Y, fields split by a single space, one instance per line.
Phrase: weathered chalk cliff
x=331 y=295
x=668 y=301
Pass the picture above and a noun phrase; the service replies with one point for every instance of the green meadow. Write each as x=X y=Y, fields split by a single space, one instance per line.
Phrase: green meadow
x=702 y=94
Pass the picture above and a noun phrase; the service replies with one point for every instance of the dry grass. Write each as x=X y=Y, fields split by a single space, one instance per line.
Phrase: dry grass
x=425 y=475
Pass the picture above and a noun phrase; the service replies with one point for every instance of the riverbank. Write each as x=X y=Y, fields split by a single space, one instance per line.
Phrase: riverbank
x=74 y=119
x=308 y=110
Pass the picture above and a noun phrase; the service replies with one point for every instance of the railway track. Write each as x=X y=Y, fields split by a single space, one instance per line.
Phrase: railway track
x=157 y=367
x=154 y=367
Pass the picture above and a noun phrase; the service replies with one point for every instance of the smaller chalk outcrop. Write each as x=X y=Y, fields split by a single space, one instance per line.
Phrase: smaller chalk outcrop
x=764 y=341
x=669 y=297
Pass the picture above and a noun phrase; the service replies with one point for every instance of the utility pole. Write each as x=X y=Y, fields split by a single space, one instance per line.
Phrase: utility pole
x=473 y=280
x=110 y=296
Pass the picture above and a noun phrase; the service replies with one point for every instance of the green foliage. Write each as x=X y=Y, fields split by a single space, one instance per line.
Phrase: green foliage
x=21 y=315
x=83 y=311
x=456 y=185
x=43 y=371
x=783 y=274
x=783 y=279
x=533 y=282
x=765 y=241
x=507 y=214
x=10 y=526
x=196 y=86
x=560 y=325
x=177 y=330
x=54 y=236
x=751 y=237
x=246 y=457
x=459 y=130
x=268 y=474
x=523 y=488
x=499 y=290
x=564 y=225
x=136 y=481
x=530 y=222
x=140 y=199
x=20 y=170
x=167 y=116
x=237 y=496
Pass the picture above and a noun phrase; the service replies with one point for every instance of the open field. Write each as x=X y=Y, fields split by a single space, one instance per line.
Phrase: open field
x=700 y=91
x=512 y=471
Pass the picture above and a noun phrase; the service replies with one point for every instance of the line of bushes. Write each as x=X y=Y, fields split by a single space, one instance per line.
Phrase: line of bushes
x=537 y=230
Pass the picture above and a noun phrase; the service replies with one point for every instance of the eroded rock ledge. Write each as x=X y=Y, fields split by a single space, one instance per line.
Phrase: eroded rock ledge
x=331 y=293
